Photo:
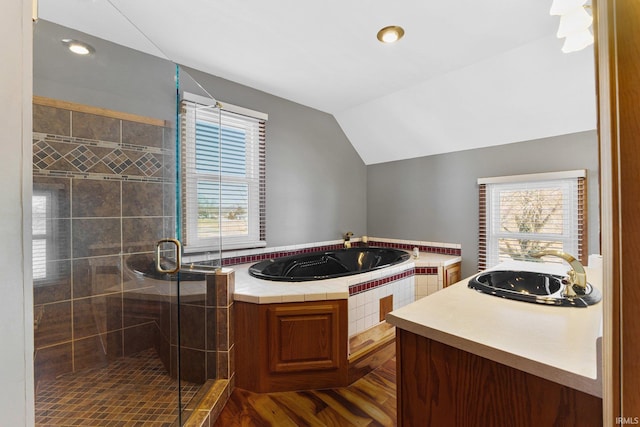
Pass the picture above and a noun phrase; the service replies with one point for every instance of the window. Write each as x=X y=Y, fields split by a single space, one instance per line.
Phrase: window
x=41 y=233
x=529 y=213
x=223 y=159
x=48 y=234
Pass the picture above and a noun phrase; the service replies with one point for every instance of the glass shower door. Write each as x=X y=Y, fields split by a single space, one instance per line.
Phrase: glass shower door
x=108 y=326
x=192 y=204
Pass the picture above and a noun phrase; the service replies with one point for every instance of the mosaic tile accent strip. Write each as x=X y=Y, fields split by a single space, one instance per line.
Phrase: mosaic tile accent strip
x=44 y=155
x=117 y=161
x=55 y=155
x=135 y=390
x=409 y=247
x=81 y=157
x=148 y=164
x=427 y=270
x=230 y=261
x=98 y=176
x=372 y=284
x=279 y=254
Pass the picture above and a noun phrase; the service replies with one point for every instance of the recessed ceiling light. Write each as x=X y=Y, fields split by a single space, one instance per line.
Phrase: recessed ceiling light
x=390 y=34
x=78 y=47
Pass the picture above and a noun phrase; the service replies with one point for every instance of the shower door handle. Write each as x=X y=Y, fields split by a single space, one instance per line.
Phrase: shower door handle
x=178 y=247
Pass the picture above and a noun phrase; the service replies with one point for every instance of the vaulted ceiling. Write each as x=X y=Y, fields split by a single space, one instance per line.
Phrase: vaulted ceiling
x=467 y=74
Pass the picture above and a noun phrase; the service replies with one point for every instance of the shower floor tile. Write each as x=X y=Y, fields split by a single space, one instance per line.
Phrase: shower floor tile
x=133 y=391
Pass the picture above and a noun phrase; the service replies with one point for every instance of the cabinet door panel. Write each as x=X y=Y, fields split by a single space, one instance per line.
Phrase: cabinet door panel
x=452 y=274
x=303 y=338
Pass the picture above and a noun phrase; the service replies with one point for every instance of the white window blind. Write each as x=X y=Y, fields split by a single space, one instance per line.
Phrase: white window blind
x=518 y=217
x=48 y=235
x=223 y=157
x=40 y=208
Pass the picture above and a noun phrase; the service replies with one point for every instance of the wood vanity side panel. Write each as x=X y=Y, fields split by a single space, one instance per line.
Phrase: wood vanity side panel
x=617 y=34
x=626 y=26
x=440 y=385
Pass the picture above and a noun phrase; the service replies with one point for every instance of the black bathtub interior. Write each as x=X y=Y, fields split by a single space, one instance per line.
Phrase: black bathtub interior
x=328 y=264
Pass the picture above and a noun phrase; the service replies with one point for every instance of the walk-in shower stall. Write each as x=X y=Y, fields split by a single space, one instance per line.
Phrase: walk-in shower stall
x=120 y=335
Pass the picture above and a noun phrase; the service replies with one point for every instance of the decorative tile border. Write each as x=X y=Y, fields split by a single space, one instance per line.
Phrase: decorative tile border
x=427 y=270
x=261 y=255
x=66 y=156
x=96 y=176
x=278 y=254
x=409 y=247
x=372 y=284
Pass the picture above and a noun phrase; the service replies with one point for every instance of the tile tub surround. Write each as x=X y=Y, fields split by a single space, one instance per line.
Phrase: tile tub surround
x=430 y=272
x=363 y=291
x=257 y=291
x=421 y=277
x=364 y=307
x=98 y=178
x=232 y=258
x=428 y=267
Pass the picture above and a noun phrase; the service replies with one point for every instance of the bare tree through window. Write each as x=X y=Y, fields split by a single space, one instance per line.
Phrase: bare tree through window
x=529 y=213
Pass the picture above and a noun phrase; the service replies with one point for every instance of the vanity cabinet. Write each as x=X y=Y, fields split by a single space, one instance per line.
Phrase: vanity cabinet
x=452 y=274
x=439 y=385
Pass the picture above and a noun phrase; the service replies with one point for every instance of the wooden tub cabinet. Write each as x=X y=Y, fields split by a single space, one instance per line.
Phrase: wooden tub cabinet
x=304 y=346
x=291 y=346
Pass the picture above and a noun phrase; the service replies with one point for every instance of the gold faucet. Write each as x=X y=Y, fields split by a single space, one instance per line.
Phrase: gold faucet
x=347 y=239
x=576 y=276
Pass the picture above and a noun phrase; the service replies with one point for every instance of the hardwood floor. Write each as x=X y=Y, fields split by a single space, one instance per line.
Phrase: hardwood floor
x=370 y=401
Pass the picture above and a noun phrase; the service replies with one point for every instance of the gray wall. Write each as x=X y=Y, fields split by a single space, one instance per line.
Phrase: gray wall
x=435 y=198
x=316 y=181
x=317 y=185
x=116 y=78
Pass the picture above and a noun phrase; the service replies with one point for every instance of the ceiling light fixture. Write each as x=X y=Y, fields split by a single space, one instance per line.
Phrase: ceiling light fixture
x=574 y=24
x=390 y=34
x=78 y=47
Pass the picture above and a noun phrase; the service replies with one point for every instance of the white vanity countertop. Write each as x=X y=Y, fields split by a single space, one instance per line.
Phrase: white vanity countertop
x=561 y=344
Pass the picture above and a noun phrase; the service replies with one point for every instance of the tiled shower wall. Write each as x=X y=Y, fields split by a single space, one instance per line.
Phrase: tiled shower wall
x=100 y=184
